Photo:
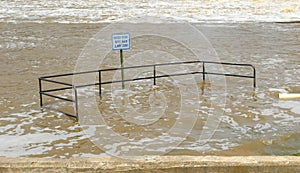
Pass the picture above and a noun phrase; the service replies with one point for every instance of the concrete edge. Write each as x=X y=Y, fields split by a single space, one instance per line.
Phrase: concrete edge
x=153 y=164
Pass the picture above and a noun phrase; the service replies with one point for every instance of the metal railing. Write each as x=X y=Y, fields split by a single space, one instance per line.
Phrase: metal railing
x=68 y=86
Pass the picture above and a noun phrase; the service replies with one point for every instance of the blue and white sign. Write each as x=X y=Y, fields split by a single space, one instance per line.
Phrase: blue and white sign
x=120 y=41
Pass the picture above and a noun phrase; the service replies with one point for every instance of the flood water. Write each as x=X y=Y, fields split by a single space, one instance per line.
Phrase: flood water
x=253 y=122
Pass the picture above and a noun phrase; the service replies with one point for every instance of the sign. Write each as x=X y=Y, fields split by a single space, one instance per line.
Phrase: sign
x=120 y=41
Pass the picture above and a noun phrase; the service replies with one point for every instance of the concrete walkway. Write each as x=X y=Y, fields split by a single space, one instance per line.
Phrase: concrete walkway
x=185 y=164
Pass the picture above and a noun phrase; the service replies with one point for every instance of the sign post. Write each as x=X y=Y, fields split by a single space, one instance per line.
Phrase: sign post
x=121 y=41
x=122 y=66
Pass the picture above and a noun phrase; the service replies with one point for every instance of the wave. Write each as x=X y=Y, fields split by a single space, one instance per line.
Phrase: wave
x=92 y=11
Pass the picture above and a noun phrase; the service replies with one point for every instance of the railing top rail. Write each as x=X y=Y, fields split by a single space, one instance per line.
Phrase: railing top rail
x=144 y=66
x=229 y=63
x=151 y=65
x=69 y=74
x=57 y=82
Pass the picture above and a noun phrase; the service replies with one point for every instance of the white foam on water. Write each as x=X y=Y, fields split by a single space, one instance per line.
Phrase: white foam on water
x=294 y=106
x=81 y=11
x=11 y=119
x=32 y=143
x=89 y=155
x=262 y=128
x=296 y=109
x=29 y=104
x=5 y=128
x=278 y=90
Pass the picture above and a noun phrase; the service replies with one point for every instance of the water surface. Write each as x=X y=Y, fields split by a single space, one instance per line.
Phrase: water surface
x=254 y=122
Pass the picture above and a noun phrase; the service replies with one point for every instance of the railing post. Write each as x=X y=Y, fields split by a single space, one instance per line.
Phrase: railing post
x=154 y=74
x=76 y=102
x=41 y=94
x=254 y=77
x=100 y=81
x=203 y=70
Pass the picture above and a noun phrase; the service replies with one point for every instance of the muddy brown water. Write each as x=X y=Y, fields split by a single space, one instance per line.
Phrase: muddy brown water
x=253 y=122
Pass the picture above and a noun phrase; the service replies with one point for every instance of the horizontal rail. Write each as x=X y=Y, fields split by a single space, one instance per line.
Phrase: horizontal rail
x=57 y=89
x=57 y=82
x=137 y=79
x=151 y=65
x=87 y=85
x=143 y=66
x=69 y=74
x=227 y=74
x=50 y=95
x=178 y=74
x=227 y=63
x=128 y=80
